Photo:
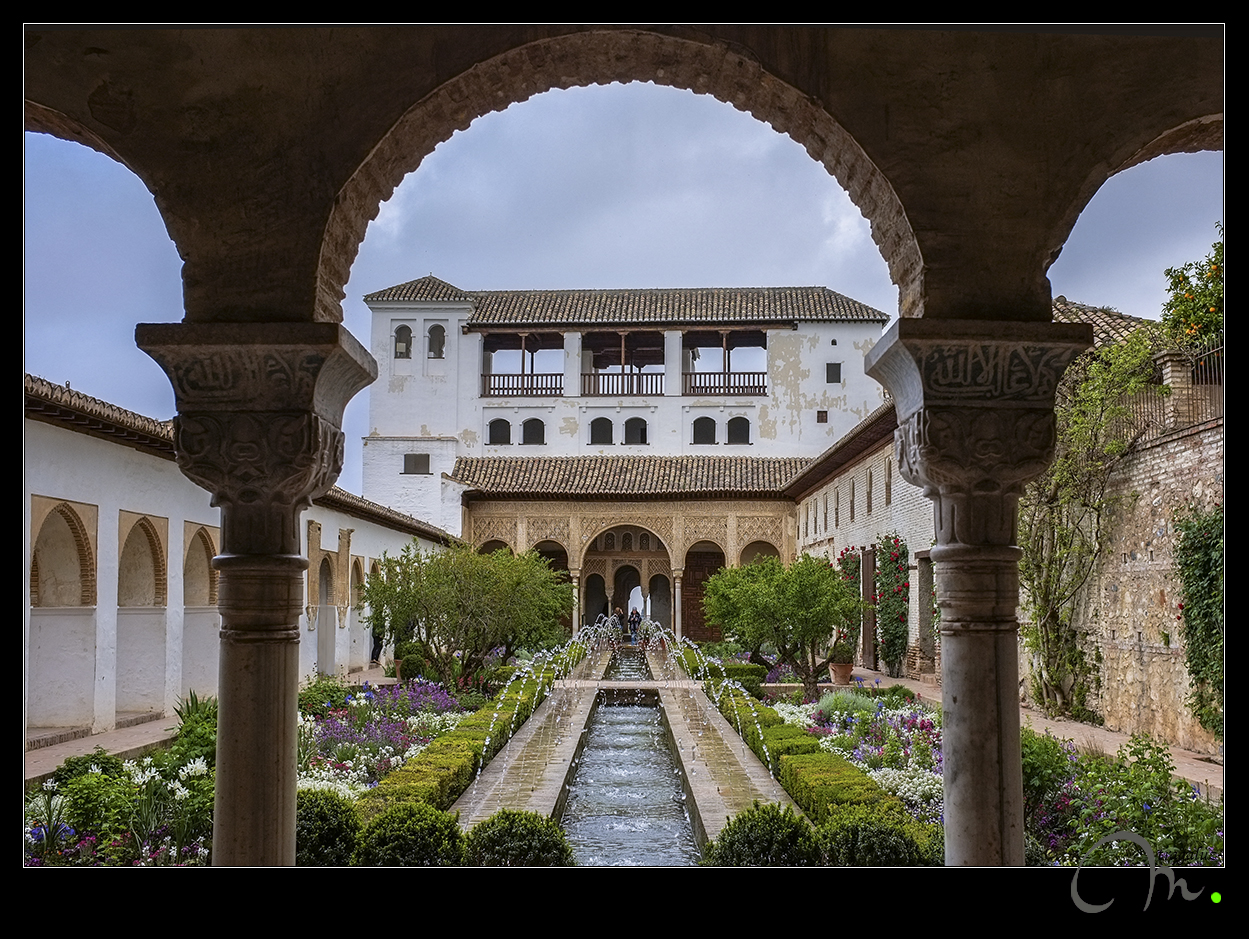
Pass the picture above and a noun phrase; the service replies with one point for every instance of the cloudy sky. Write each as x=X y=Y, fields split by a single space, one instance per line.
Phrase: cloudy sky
x=616 y=186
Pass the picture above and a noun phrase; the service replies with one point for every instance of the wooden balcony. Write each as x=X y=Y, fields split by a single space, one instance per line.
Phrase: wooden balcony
x=611 y=384
x=725 y=383
x=535 y=384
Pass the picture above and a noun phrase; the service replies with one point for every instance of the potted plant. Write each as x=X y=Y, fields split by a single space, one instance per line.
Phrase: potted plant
x=841 y=660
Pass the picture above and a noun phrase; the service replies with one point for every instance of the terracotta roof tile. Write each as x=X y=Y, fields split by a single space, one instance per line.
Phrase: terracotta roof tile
x=745 y=305
x=1108 y=326
x=73 y=410
x=607 y=476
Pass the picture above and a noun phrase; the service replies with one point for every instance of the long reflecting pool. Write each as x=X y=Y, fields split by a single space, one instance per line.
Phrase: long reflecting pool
x=626 y=806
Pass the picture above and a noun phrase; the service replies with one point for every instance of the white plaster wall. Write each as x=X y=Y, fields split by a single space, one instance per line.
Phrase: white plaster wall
x=201 y=642
x=61 y=666
x=141 y=665
x=435 y=406
x=909 y=513
x=84 y=664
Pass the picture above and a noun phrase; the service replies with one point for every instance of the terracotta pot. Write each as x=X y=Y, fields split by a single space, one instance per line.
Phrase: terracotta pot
x=841 y=673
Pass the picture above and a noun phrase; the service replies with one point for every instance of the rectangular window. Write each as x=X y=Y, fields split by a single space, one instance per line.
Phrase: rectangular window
x=821 y=417
x=416 y=464
x=833 y=373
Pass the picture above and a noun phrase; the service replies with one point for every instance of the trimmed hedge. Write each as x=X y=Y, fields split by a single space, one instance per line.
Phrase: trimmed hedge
x=441 y=772
x=879 y=835
x=815 y=779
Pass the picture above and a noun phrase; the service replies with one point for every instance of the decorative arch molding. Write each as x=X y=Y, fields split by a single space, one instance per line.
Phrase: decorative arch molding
x=72 y=515
x=154 y=534
x=495 y=528
x=596 y=56
x=547 y=528
x=659 y=525
x=704 y=528
x=200 y=548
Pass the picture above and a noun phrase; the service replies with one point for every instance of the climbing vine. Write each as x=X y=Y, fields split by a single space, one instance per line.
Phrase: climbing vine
x=850 y=563
x=1199 y=564
x=1061 y=513
x=892 y=600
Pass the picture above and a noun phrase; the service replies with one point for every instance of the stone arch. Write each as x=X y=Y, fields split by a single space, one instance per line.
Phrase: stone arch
x=606 y=529
x=702 y=559
x=62 y=567
x=141 y=579
x=325 y=581
x=357 y=581
x=758 y=549
x=403 y=342
x=199 y=580
x=592 y=56
x=493 y=545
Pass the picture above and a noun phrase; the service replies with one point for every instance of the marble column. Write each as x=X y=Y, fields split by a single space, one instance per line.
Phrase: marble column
x=259 y=421
x=975 y=406
x=676 y=602
x=574 y=576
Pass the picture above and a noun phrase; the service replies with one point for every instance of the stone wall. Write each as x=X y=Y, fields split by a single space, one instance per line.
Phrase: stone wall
x=1132 y=600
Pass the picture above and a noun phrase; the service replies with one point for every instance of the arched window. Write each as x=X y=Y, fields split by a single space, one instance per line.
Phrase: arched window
x=437 y=341
x=500 y=432
x=705 y=430
x=609 y=542
x=739 y=430
x=533 y=432
x=635 y=430
x=600 y=430
x=644 y=542
x=626 y=541
x=403 y=342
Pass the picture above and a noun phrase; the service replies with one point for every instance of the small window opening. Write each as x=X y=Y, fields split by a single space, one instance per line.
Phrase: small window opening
x=416 y=464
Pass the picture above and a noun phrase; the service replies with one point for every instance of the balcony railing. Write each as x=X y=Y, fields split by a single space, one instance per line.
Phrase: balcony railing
x=612 y=384
x=725 y=383
x=535 y=384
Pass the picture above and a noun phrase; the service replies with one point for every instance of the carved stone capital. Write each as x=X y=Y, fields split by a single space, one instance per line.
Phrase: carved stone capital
x=975 y=405
x=260 y=408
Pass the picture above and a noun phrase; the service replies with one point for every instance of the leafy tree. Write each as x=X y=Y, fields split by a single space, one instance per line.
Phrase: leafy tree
x=457 y=605
x=1061 y=513
x=800 y=610
x=1193 y=314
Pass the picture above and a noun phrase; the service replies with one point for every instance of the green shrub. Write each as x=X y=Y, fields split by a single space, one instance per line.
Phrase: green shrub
x=100 y=804
x=517 y=839
x=323 y=694
x=820 y=781
x=326 y=829
x=878 y=835
x=75 y=766
x=411 y=834
x=765 y=836
x=1047 y=766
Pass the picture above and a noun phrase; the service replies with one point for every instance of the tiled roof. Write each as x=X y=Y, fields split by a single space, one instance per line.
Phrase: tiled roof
x=424 y=288
x=1108 y=326
x=607 y=476
x=73 y=410
x=693 y=305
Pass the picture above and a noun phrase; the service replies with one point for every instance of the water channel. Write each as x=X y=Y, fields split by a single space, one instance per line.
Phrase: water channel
x=626 y=804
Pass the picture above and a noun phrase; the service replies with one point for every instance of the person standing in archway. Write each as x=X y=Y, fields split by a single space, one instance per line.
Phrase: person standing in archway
x=635 y=620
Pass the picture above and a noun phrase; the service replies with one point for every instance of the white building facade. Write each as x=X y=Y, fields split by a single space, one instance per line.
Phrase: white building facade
x=121 y=615
x=758 y=372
